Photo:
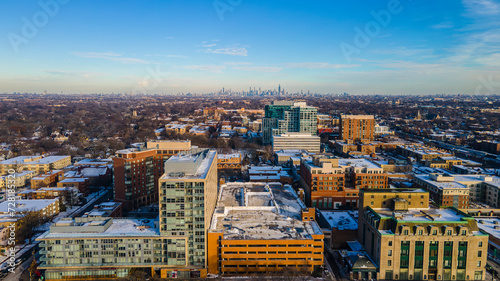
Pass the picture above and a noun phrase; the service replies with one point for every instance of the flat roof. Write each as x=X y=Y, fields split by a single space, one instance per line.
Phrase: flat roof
x=342 y=220
x=74 y=180
x=27 y=205
x=358 y=163
x=201 y=171
x=261 y=211
x=120 y=228
x=441 y=184
x=489 y=225
x=228 y=156
x=25 y=160
x=424 y=215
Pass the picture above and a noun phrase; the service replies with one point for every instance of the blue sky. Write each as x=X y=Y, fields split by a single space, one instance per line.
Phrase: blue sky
x=414 y=47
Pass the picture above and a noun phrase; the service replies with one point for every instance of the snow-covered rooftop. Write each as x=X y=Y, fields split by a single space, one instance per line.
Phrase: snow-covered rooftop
x=117 y=228
x=342 y=220
x=261 y=211
x=26 y=205
x=191 y=166
x=31 y=160
x=422 y=214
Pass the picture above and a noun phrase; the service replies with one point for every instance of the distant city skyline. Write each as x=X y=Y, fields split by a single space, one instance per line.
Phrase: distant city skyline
x=154 y=47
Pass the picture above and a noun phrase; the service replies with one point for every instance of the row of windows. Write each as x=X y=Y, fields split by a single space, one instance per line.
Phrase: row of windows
x=267 y=252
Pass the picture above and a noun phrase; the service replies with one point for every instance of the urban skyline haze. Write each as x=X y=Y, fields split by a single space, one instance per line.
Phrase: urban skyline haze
x=358 y=47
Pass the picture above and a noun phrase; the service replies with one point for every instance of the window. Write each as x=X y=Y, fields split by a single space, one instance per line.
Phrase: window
x=405 y=232
x=390 y=243
x=434 y=232
x=479 y=264
x=479 y=253
x=388 y=275
x=448 y=232
x=389 y=263
x=390 y=253
x=480 y=243
x=420 y=232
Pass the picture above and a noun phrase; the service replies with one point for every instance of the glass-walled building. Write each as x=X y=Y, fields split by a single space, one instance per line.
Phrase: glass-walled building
x=173 y=245
x=286 y=117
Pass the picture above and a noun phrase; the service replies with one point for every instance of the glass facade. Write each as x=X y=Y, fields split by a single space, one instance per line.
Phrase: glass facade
x=280 y=119
x=183 y=215
x=101 y=252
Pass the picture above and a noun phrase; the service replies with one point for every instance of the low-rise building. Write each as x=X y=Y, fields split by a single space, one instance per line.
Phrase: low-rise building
x=284 y=157
x=422 y=153
x=100 y=248
x=46 y=207
x=51 y=178
x=339 y=227
x=460 y=190
x=20 y=179
x=269 y=174
x=82 y=184
x=39 y=164
x=330 y=183
x=106 y=210
x=260 y=228
x=230 y=161
x=303 y=141
x=410 y=240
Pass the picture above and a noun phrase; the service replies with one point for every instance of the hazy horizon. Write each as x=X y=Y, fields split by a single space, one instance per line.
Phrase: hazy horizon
x=386 y=48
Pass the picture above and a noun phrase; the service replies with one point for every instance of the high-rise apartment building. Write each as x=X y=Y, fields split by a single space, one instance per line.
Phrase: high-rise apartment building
x=174 y=246
x=357 y=127
x=137 y=171
x=331 y=183
x=286 y=117
x=410 y=240
x=188 y=194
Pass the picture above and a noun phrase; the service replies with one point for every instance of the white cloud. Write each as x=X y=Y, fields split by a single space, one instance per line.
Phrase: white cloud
x=319 y=65
x=482 y=7
x=209 y=68
x=443 y=25
x=232 y=51
x=237 y=63
x=259 y=68
x=71 y=73
x=109 y=56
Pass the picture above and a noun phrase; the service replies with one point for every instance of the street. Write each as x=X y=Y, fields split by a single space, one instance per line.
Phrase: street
x=16 y=276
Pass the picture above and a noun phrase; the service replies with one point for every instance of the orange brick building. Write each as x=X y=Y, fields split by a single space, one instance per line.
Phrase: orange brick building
x=250 y=236
x=357 y=127
x=49 y=179
x=332 y=183
x=82 y=184
x=137 y=172
x=229 y=161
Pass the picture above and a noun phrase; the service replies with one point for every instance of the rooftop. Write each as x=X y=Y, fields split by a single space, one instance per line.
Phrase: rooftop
x=424 y=215
x=490 y=225
x=32 y=160
x=189 y=166
x=26 y=205
x=101 y=227
x=342 y=220
x=261 y=211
